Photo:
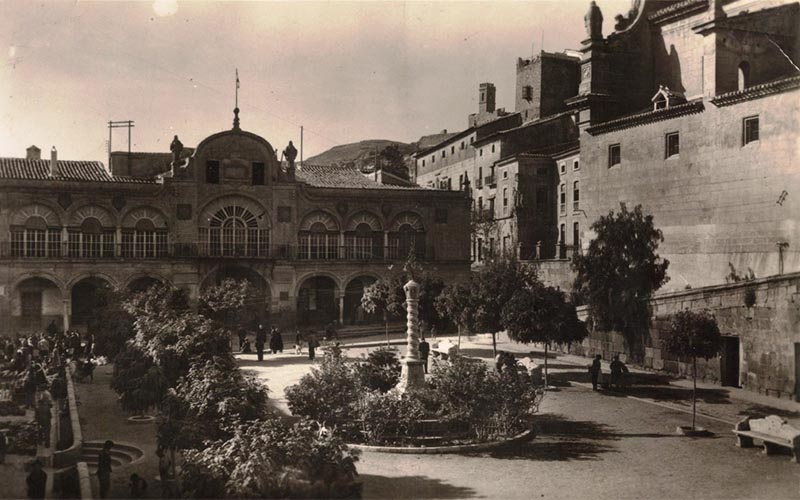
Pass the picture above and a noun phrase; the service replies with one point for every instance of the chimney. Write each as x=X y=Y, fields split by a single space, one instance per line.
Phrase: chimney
x=33 y=153
x=54 y=172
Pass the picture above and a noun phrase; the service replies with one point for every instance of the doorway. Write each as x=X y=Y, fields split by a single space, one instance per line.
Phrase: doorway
x=797 y=371
x=729 y=361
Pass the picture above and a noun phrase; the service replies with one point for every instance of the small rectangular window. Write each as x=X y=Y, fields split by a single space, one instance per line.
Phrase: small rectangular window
x=576 y=165
x=258 y=173
x=212 y=172
x=423 y=163
x=462 y=144
x=505 y=174
x=614 y=155
x=672 y=145
x=750 y=130
x=444 y=153
x=452 y=150
x=433 y=158
x=480 y=152
x=492 y=148
x=562 y=167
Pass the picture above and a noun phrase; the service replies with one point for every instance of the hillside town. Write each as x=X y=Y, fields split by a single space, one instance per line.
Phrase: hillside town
x=601 y=283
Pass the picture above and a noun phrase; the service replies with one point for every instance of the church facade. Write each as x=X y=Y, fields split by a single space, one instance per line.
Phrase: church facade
x=309 y=238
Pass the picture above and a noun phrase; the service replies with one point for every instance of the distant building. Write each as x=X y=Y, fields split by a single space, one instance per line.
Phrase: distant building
x=309 y=241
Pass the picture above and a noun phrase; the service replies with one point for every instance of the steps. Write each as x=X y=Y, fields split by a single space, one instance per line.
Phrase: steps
x=121 y=454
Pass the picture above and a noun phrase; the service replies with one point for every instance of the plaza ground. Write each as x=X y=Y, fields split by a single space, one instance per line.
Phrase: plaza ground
x=588 y=444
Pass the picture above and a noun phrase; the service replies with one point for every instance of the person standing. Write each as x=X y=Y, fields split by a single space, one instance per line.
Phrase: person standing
x=275 y=341
x=261 y=339
x=43 y=418
x=595 y=370
x=242 y=337
x=52 y=329
x=37 y=480
x=424 y=351
x=298 y=342
x=104 y=468
x=312 y=345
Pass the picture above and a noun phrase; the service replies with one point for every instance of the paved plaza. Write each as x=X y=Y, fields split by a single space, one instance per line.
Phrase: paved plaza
x=588 y=444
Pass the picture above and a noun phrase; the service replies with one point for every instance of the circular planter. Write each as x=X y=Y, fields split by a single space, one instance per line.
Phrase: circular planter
x=686 y=430
x=458 y=448
x=141 y=419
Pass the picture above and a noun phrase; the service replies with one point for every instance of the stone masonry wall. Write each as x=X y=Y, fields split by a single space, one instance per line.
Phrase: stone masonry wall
x=767 y=332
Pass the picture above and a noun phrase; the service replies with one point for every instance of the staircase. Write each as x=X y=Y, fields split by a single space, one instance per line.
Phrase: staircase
x=121 y=454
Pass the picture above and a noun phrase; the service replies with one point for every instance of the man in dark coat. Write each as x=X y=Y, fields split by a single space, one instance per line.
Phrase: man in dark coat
x=37 y=480
x=312 y=345
x=424 y=351
x=104 y=468
x=275 y=341
x=595 y=371
x=261 y=339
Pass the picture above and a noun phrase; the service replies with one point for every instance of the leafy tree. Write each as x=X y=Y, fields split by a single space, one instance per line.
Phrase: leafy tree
x=140 y=384
x=228 y=303
x=492 y=288
x=430 y=289
x=694 y=335
x=380 y=371
x=539 y=313
x=392 y=160
x=621 y=270
x=385 y=296
x=456 y=303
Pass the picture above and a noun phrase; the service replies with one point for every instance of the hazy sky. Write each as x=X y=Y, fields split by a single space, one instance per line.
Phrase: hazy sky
x=346 y=71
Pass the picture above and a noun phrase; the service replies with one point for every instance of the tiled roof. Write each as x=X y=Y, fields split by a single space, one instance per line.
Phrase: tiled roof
x=695 y=106
x=677 y=9
x=756 y=91
x=332 y=176
x=85 y=171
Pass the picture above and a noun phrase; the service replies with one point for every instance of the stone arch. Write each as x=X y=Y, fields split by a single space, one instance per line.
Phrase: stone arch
x=142 y=281
x=236 y=205
x=22 y=215
x=353 y=313
x=323 y=217
x=104 y=216
x=318 y=299
x=36 y=301
x=407 y=219
x=86 y=295
x=364 y=217
x=154 y=215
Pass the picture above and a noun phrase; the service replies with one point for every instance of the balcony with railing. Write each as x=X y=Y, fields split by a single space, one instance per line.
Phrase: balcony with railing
x=109 y=250
x=490 y=180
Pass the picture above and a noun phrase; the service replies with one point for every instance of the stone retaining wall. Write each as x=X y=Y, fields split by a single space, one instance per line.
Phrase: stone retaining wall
x=767 y=333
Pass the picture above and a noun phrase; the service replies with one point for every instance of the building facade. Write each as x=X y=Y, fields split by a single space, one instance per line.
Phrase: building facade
x=309 y=239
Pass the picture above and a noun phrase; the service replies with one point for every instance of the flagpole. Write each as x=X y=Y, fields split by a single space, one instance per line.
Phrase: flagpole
x=237 y=87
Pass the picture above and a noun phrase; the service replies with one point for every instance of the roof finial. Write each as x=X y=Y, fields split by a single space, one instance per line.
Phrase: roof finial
x=236 y=104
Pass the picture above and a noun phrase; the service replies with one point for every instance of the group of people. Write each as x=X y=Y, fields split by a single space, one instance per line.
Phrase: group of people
x=276 y=344
x=618 y=370
x=52 y=348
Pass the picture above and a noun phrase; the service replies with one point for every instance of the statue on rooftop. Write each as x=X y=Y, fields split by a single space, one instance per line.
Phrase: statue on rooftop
x=290 y=153
x=594 y=22
x=177 y=148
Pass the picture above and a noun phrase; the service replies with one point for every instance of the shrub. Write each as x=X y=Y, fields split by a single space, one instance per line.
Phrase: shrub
x=140 y=384
x=329 y=393
x=391 y=417
x=380 y=371
x=269 y=459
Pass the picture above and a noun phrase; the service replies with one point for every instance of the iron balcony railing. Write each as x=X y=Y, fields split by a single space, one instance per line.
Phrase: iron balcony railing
x=202 y=250
x=490 y=180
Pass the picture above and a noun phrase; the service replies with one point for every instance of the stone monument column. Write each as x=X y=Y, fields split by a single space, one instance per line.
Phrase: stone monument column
x=412 y=376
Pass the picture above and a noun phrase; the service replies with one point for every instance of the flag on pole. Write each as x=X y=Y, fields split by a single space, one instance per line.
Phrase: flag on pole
x=237 y=78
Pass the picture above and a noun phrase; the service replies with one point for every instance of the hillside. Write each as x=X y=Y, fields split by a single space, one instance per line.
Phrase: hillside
x=360 y=154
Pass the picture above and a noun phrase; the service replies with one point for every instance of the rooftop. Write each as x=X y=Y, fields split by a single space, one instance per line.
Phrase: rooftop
x=757 y=91
x=80 y=171
x=343 y=177
x=694 y=106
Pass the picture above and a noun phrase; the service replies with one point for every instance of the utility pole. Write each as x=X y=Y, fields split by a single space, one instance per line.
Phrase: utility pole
x=129 y=124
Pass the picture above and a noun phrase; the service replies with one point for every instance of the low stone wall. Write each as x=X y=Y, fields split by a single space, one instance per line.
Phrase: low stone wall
x=69 y=456
x=767 y=333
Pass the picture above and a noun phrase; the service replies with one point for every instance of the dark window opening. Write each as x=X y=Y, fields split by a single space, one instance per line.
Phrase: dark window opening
x=212 y=172
x=258 y=174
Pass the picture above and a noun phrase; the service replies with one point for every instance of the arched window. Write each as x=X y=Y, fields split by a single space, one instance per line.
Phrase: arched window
x=35 y=232
x=407 y=235
x=576 y=195
x=233 y=231
x=744 y=75
x=363 y=238
x=144 y=234
x=318 y=237
x=92 y=234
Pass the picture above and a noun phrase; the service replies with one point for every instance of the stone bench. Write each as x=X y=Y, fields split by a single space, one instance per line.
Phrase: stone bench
x=773 y=431
x=444 y=349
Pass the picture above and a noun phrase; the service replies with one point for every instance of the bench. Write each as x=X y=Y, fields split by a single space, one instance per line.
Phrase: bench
x=773 y=431
x=444 y=349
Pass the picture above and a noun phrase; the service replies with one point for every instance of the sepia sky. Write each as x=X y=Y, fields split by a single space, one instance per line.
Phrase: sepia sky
x=346 y=71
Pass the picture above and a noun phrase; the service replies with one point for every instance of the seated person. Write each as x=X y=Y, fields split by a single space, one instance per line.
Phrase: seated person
x=246 y=349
